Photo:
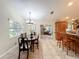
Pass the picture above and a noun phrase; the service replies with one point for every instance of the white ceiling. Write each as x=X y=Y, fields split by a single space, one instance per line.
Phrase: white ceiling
x=42 y=8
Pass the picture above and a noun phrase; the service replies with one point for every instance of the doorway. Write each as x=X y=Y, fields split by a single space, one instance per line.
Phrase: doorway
x=46 y=30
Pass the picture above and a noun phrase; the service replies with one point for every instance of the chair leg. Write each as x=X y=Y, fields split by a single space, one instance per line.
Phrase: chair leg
x=59 y=44
x=38 y=45
x=63 y=45
x=68 y=47
x=76 y=47
x=33 y=47
x=19 y=55
x=28 y=54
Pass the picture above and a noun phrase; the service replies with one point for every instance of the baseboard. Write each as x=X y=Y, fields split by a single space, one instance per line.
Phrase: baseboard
x=8 y=51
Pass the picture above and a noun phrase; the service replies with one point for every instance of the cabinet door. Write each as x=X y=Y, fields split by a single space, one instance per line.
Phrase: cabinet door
x=63 y=26
x=60 y=26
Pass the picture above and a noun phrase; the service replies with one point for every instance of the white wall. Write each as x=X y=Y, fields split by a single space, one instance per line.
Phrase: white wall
x=5 y=42
x=44 y=21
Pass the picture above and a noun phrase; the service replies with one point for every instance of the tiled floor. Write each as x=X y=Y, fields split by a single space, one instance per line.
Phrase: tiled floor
x=48 y=50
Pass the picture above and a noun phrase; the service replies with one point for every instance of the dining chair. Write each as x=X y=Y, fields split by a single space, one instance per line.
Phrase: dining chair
x=36 y=39
x=70 y=43
x=23 y=46
x=59 y=38
x=32 y=42
x=37 y=42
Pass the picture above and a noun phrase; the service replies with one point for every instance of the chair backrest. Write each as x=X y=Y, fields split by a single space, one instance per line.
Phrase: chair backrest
x=58 y=36
x=31 y=36
x=20 y=39
x=22 y=43
x=34 y=33
x=25 y=36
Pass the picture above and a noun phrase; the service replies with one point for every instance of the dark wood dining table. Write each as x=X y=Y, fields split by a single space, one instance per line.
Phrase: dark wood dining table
x=31 y=41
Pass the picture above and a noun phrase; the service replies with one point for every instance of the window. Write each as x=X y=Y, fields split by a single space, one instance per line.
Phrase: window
x=14 y=29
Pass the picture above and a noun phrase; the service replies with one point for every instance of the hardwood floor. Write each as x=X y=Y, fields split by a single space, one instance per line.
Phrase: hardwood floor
x=52 y=51
x=48 y=50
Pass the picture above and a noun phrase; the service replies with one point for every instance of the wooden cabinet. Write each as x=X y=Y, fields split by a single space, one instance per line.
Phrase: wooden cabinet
x=60 y=26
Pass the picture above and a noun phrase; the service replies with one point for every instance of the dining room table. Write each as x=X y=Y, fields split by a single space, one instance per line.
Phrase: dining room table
x=31 y=40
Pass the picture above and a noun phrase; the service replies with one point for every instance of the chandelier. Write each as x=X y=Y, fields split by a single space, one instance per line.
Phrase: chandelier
x=29 y=19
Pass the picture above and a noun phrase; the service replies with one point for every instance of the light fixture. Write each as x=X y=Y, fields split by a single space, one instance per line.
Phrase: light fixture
x=67 y=17
x=70 y=4
x=29 y=19
x=73 y=19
